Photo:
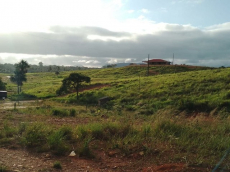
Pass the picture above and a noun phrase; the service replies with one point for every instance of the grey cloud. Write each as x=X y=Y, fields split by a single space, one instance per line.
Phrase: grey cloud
x=189 y=45
x=88 y=30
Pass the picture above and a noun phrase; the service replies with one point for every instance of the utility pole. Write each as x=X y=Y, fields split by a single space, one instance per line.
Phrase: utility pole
x=173 y=59
x=148 y=66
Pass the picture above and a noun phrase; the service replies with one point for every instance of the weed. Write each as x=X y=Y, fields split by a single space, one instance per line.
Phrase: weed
x=22 y=127
x=8 y=130
x=146 y=130
x=56 y=142
x=72 y=112
x=3 y=168
x=59 y=112
x=85 y=150
x=35 y=135
x=57 y=165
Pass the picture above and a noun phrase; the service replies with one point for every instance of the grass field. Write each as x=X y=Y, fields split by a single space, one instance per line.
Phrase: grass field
x=177 y=114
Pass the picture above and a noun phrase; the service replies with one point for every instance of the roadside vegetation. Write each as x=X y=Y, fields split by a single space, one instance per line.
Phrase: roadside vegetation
x=177 y=114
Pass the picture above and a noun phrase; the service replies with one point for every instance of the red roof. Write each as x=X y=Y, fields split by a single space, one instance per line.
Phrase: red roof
x=156 y=60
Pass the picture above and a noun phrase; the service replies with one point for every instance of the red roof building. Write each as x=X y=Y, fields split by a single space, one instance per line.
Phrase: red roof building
x=157 y=62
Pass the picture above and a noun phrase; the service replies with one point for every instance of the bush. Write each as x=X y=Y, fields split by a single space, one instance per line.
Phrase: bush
x=56 y=142
x=59 y=112
x=8 y=131
x=22 y=96
x=166 y=128
x=57 y=165
x=72 y=112
x=85 y=150
x=192 y=105
x=35 y=135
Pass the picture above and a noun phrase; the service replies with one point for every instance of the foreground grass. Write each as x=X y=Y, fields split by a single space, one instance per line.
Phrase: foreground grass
x=164 y=137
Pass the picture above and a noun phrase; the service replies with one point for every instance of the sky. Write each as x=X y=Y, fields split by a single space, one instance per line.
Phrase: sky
x=94 y=33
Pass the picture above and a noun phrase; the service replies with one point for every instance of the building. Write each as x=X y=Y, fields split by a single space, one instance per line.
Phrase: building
x=157 y=62
x=3 y=94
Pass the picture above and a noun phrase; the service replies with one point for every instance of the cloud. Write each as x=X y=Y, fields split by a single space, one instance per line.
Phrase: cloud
x=112 y=61
x=71 y=46
x=145 y=10
x=188 y=1
x=131 y=11
x=128 y=60
x=33 y=15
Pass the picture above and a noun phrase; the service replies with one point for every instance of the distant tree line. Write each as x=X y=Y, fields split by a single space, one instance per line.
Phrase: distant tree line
x=109 y=66
x=10 y=68
x=7 y=68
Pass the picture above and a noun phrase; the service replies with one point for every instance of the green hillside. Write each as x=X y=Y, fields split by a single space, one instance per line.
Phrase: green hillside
x=44 y=85
x=178 y=87
x=192 y=91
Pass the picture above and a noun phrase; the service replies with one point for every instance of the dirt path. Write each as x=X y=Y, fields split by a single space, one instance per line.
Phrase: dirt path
x=24 y=161
x=18 y=160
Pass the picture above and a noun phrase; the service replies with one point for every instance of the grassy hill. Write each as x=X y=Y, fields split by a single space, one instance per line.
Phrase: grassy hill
x=193 y=89
x=45 y=84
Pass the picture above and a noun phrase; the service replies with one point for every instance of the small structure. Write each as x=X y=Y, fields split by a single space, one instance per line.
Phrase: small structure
x=102 y=101
x=157 y=62
x=3 y=94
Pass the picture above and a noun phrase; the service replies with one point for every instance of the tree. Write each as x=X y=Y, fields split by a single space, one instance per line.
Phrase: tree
x=49 y=68
x=20 y=74
x=2 y=85
x=73 y=82
x=40 y=65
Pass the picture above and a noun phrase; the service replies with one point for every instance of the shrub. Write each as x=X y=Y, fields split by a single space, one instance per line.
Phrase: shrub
x=57 y=143
x=57 y=165
x=72 y=112
x=85 y=150
x=192 y=105
x=23 y=96
x=35 y=135
x=59 y=112
x=166 y=128
x=8 y=131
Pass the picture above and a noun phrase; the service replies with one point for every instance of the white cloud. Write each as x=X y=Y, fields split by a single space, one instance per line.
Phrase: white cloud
x=131 y=11
x=188 y=1
x=27 y=15
x=92 y=62
x=219 y=27
x=81 y=61
x=129 y=60
x=112 y=61
x=144 y=10
x=106 y=38
x=117 y=3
